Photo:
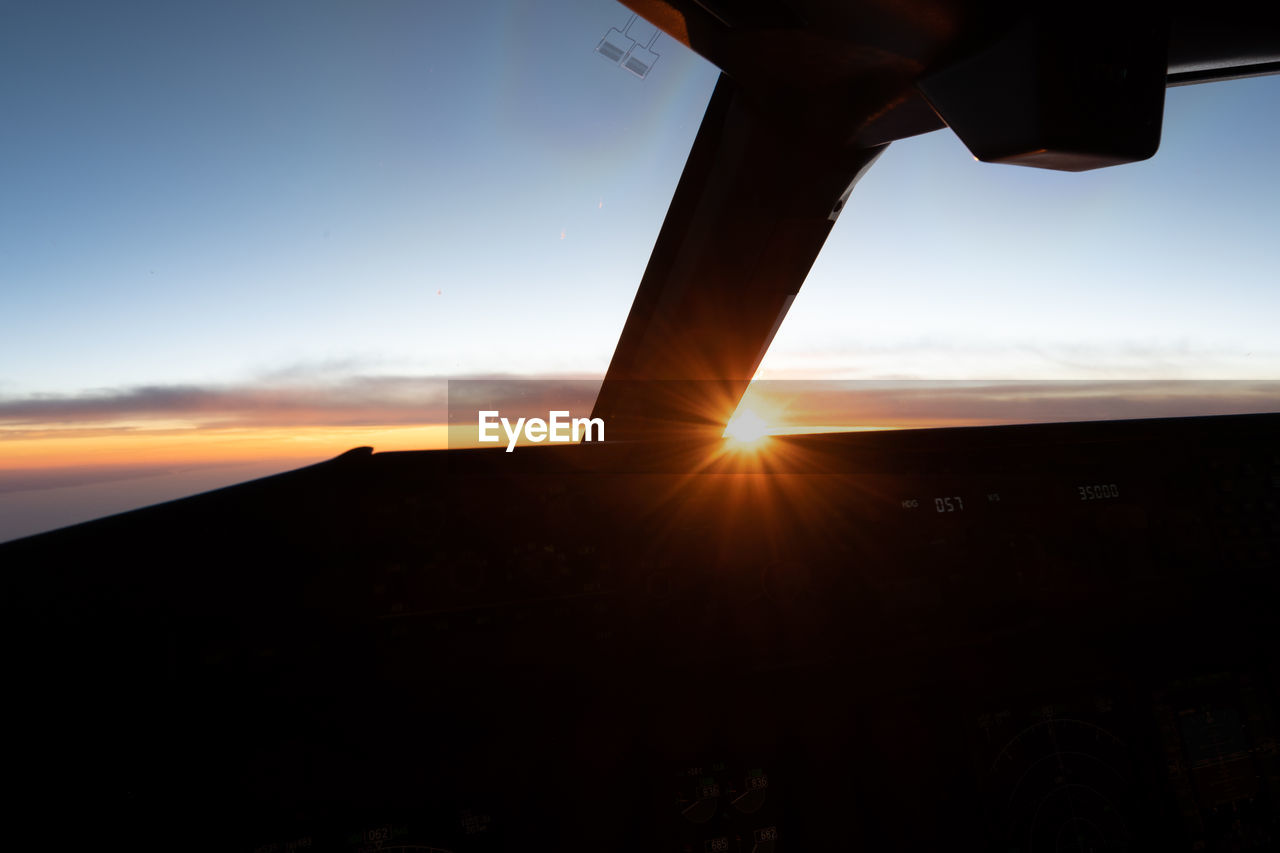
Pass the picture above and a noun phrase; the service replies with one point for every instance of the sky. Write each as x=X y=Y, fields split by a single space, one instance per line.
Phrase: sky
x=238 y=237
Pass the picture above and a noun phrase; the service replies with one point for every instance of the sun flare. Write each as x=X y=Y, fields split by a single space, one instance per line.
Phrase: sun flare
x=746 y=429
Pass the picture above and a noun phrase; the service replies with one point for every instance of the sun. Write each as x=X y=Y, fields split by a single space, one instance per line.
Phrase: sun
x=746 y=429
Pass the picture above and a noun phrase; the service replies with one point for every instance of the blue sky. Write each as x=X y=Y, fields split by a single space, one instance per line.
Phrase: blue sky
x=237 y=191
x=943 y=267
x=196 y=197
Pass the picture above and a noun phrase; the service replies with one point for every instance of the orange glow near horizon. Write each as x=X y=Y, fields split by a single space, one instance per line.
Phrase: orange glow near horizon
x=123 y=447
x=766 y=411
x=132 y=446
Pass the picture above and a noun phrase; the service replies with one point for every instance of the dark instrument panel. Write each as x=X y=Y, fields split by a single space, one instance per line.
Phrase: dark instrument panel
x=1053 y=637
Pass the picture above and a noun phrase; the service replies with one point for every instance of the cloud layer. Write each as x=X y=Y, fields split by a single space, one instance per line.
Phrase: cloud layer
x=409 y=400
x=366 y=400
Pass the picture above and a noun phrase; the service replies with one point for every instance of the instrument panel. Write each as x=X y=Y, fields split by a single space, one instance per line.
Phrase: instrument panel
x=1017 y=638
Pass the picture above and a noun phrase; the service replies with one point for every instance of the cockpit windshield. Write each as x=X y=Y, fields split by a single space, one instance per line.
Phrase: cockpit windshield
x=238 y=238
